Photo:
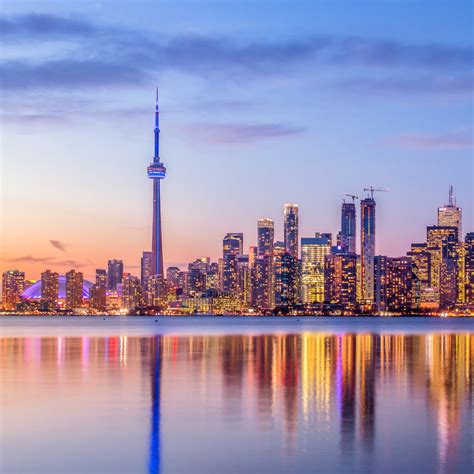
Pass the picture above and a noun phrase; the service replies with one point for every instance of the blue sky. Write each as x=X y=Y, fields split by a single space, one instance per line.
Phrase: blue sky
x=261 y=103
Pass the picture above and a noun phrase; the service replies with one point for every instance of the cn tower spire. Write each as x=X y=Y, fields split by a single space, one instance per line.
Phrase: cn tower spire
x=156 y=172
x=156 y=157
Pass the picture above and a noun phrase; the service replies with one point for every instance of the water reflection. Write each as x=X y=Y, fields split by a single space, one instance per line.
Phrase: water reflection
x=279 y=401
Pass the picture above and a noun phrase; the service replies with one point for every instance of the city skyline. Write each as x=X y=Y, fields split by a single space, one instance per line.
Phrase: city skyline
x=299 y=139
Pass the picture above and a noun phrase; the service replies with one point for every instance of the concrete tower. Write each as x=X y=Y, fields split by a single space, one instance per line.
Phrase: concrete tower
x=156 y=171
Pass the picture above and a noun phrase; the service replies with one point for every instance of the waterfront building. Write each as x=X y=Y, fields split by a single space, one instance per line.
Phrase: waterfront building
x=421 y=267
x=450 y=215
x=313 y=253
x=367 y=242
x=262 y=299
x=98 y=292
x=114 y=274
x=212 y=277
x=232 y=246
x=131 y=292
x=380 y=282
x=469 y=268
x=49 y=290
x=285 y=272
x=340 y=279
x=13 y=285
x=146 y=267
x=290 y=212
x=157 y=171
x=172 y=276
x=347 y=238
x=156 y=291
x=244 y=280
x=74 y=292
x=197 y=272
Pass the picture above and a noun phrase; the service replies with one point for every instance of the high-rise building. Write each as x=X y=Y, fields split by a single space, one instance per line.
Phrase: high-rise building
x=265 y=236
x=290 y=212
x=244 y=279
x=469 y=267
x=156 y=171
x=313 y=254
x=13 y=284
x=348 y=227
x=285 y=271
x=98 y=292
x=114 y=274
x=367 y=243
x=340 y=279
x=131 y=292
x=156 y=291
x=421 y=268
x=146 y=267
x=262 y=298
x=172 y=276
x=232 y=246
x=49 y=290
x=74 y=292
x=380 y=282
x=450 y=215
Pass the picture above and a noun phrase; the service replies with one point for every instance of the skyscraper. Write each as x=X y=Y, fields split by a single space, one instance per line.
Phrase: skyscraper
x=231 y=247
x=291 y=229
x=13 y=284
x=367 y=244
x=49 y=290
x=98 y=292
x=450 y=215
x=313 y=253
x=469 y=267
x=348 y=227
x=74 y=283
x=265 y=236
x=340 y=279
x=114 y=274
x=156 y=171
x=146 y=267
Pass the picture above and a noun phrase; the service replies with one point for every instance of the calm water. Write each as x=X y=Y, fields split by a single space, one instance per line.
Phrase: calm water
x=235 y=395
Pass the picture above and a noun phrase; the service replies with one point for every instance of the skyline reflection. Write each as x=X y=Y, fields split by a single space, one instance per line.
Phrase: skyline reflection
x=180 y=402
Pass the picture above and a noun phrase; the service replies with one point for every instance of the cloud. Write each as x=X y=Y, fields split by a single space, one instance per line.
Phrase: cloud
x=31 y=259
x=240 y=133
x=462 y=139
x=99 y=56
x=57 y=244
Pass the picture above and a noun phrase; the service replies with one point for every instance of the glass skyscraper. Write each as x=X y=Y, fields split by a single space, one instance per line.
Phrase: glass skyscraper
x=291 y=229
x=367 y=244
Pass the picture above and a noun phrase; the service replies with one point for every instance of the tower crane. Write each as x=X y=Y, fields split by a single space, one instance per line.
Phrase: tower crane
x=372 y=190
x=353 y=196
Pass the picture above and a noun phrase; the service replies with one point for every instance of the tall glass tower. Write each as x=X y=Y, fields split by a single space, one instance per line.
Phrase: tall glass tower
x=367 y=245
x=348 y=227
x=157 y=172
x=291 y=229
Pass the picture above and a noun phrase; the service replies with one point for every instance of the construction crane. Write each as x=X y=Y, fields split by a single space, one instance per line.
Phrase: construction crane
x=353 y=196
x=372 y=190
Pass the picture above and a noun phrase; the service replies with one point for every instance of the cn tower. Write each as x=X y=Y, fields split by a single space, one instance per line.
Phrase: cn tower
x=156 y=171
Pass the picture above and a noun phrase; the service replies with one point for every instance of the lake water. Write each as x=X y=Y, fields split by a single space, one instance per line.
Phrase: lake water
x=236 y=395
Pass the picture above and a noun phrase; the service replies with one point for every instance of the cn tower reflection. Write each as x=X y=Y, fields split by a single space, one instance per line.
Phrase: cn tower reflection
x=155 y=377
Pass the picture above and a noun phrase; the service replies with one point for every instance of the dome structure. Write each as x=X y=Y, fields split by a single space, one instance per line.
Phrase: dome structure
x=34 y=291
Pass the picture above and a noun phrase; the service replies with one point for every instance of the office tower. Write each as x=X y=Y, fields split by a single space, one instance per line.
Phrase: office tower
x=244 y=280
x=380 y=282
x=265 y=236
x=393 y=284
x=436 y=236
x=49 y=290
x=156 y=291
x=131 y=292
x=469 y=267
x=114 y=274
x=285 y=271
x=197 y=271
x=146 y=267
x=172 y=276
x=74 y=284
x=399 y=285
x=450 y=215
x=421 y=267
x=13 y=285
x=232 y=246
x=367 y=242
x=340 y=280
x=448 y=282
x=313 y=254
x=253 y=251
x=98 y=292
x=262 y=298
x=156 y=171
x=290 y=212
x=212 y=277
x=348 y=227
